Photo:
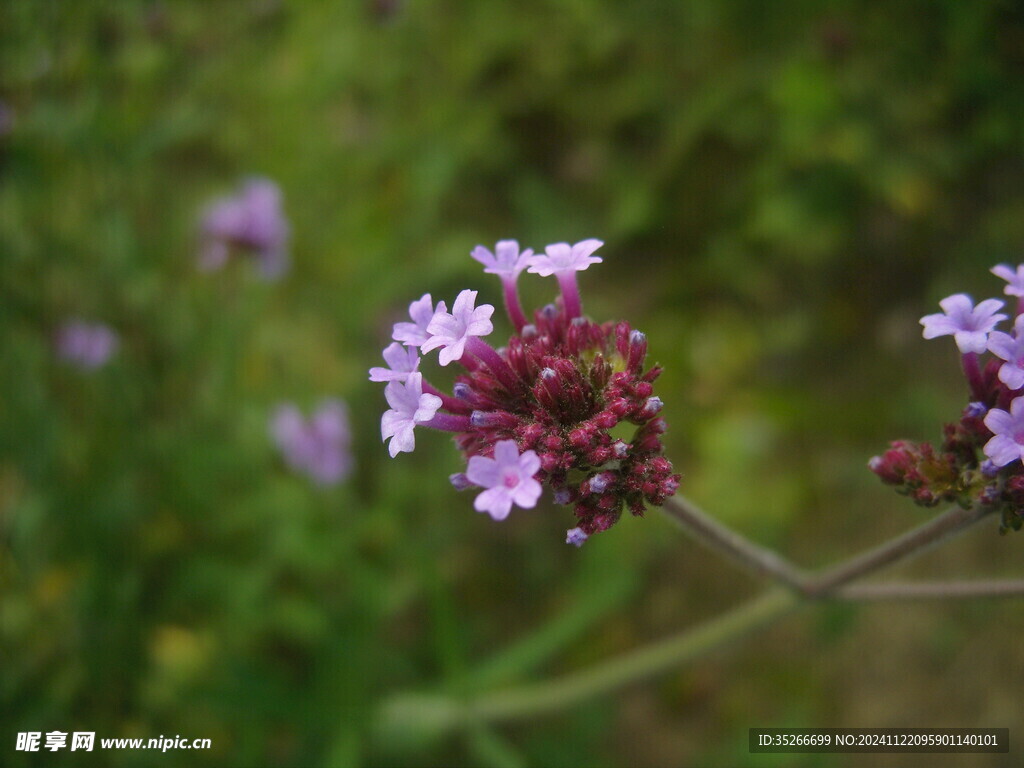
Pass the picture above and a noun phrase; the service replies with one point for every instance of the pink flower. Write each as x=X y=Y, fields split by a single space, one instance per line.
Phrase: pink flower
x=1013 y=277
x=451 y=331
x=401 y=362
x=562 y=257
x=1007 y=444
x=422 y=312
x=409 y=406
x=506 y=260
x=1011 y=349
x=967 y=324
x=508 y=478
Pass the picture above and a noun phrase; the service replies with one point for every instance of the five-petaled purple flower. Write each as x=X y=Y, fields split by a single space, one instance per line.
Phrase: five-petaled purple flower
x=967 y=324
x=86 y=345
x=250 y=221
x=507 y=478
x=540 y=410
x=1007 y=443
x=564 y=261
x=422 y=312
x=1011 y=349
x=318 y=447
x=506 y=261
x=452 y=330
x=401 y=362
x=410 y=406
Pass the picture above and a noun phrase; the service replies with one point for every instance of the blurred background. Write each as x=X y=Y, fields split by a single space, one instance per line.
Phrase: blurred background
x=783 y=188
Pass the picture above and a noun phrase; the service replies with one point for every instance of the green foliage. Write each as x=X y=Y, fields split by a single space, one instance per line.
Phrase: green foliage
x=783 y=189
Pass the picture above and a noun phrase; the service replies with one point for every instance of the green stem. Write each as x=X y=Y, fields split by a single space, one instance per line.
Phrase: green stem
x=529 y=700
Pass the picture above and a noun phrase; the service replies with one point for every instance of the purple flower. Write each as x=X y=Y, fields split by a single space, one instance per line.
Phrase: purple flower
x=967 y=324
x=506 y=261
x=251 y=221
x=409 y=407
x=562 y=258
x=319 y=447
x=576 y=537
x=451 y=331
x=508 y=478
x=401 y=362
x=422 y=312
x=1011 y=349
x=1007 y=445
x=86 y=345
x=1013 y=277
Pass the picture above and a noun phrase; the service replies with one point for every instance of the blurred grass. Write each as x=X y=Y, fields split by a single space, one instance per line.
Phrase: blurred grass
x=783 y=189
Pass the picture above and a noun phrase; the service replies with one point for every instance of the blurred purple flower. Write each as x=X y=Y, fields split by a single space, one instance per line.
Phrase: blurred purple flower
x=250 y=221
x=86 y=345
x=318 y=447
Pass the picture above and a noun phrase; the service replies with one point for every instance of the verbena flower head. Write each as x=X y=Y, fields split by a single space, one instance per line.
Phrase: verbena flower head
x=250 y=222
x=87 y=346
x=540 y=411
x=978 y=461
x=319 y=447
x=967 y=324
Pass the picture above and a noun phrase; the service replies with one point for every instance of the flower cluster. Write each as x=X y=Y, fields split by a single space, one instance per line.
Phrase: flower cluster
x=249 y=222
x=317 y=447
x=87 y=346
x=979 y=460
x=541 y=409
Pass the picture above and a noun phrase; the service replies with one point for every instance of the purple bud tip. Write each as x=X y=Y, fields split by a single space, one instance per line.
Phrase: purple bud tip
x=459 y=481
x=548 y=374
x=975 y=410
x=599 y=483
x=620 y=449
x=653 y=405
x=550 y=311
x=874 y=463
x=529 y=331
x=576 y=537
x=637 y=337
x=579 y=322
x=562 y=496
x=479 y=418
x=989 y=468
x=462 y=390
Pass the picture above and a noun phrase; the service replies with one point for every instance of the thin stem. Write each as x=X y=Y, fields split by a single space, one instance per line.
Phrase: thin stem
x=737 y=548
x=972 y=370
x=443 y=713
x=636 y=665
x=912 y=542
x=453 y=404
x=512 y=305
x=570 y=294
x=448 y=422
x=933 y=590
